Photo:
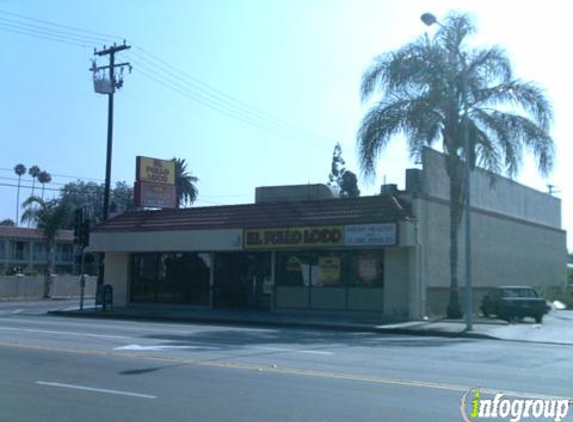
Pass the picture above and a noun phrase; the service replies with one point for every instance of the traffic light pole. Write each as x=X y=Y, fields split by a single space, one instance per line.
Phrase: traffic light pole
x=82 y=278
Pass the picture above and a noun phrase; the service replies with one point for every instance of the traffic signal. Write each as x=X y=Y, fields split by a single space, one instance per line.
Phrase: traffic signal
x=85 y=233
x=78 y=220
x=81 y=227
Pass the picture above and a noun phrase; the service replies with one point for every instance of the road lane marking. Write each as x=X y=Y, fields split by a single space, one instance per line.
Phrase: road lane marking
x=68 y=333
x=281 y=349
x=294 y=371
x=96 y=390
x=159 y=348
x=215 y=346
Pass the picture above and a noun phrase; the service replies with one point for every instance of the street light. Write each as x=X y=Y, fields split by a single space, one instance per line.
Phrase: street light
x=429 y=19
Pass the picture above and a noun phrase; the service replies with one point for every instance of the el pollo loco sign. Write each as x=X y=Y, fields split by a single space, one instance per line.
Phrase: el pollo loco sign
x=294 y=237
x=153 y=170
x=155 y=183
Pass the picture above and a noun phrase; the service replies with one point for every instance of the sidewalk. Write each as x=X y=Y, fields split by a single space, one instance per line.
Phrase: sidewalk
x=557 y=327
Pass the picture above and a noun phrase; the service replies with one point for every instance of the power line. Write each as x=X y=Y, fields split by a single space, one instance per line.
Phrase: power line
x=72 y=28
x=29 y=187
x=42 y=30
x=178 y=80
x=60 y=175
x=44 y=37
x=14 y=179
x=221 y=95
x=215 y=105
x=206 y=99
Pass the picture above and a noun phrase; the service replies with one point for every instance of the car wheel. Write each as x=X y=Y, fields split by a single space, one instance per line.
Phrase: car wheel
x=485 y=312
x=538 y=319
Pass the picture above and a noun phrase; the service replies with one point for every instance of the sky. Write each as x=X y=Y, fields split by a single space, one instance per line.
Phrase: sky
x=250 y=92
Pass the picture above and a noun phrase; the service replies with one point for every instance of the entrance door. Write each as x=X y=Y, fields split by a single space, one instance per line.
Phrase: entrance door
x=242 y=280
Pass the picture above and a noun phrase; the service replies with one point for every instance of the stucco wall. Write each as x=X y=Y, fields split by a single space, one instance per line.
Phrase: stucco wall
x=117 y=275
x=504 y=251
x=396 y=280
x=504 y=196
x=28 y=287
x=516 y=235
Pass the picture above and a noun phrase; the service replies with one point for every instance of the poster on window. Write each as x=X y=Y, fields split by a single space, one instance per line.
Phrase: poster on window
x=328 y=270
x=367 y=268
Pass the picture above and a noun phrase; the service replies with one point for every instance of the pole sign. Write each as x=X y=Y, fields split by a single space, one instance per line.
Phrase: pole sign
x=154 y=195
x=152 y=170
x=155 y=183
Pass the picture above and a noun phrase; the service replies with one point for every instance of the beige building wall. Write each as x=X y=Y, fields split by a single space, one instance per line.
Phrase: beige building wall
x=396 y=282
x=167 y=241
x=516 y=236
x=117 y=275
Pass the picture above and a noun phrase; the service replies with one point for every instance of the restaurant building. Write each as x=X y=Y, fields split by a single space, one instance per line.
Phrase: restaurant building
x=298 y=248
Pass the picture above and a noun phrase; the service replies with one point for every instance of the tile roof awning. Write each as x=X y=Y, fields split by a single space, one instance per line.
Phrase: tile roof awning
x=32 y=234
x=339 y=211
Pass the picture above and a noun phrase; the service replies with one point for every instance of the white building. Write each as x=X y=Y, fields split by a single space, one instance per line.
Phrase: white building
x=24 y=249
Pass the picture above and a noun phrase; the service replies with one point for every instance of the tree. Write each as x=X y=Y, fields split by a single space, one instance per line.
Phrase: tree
x=349 y=185
x=50 y=217
x=34 y=172
x=344 y=180
x=90 y=195
x=44 y=177
x=185 y=190
x=20 y=170
x=7 y=222
x=337 y=167
x=431 y=89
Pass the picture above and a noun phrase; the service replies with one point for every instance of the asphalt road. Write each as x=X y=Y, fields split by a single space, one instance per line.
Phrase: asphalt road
x=62 y=369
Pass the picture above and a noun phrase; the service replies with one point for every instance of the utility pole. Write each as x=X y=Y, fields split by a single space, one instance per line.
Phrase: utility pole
x=108 y=85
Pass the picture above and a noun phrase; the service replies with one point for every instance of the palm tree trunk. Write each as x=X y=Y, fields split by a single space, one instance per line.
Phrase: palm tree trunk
x=31 y=205
x=454 y=311
x=49 y=271
x=18 y=201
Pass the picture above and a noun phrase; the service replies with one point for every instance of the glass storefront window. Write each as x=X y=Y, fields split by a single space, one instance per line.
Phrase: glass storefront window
x=171 y=278
x=357 y=268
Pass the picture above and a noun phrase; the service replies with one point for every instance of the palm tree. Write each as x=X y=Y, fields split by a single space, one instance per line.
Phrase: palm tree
x=185 y=190
x=20 y=170
x=50 y=217
x=34 y=171
x=432 y=90
x=44 y=177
